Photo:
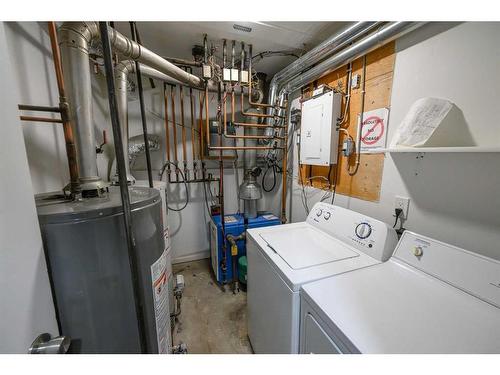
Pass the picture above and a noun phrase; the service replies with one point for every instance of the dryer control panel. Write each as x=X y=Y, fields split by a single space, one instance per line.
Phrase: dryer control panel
x=369 y=235
x=468 y=271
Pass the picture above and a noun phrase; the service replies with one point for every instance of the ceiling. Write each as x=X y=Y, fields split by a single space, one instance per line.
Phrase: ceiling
x=175 y=39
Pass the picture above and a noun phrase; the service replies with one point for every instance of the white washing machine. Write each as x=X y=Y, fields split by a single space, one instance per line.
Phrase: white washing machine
x=331 y=241
x=430 y=297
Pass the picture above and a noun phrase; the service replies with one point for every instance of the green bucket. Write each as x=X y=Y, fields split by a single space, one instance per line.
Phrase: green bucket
x=242 y=269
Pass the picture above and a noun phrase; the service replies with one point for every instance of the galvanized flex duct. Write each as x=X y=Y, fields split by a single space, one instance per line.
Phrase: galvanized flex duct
x=326 y=48
x=373 y=41
x=74 y=41
x=383 y=35
x=122 y=71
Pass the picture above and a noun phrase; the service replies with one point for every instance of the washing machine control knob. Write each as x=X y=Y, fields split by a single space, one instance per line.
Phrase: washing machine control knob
x=327 y=215
x=418 y=251
x=363 y=230
x=319 y=212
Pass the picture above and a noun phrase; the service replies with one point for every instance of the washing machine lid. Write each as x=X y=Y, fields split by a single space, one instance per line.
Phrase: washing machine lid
x=390 y=308
x=304 y=247
x=430 y=297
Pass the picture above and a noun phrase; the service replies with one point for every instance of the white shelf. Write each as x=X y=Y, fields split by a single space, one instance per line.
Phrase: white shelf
x=476 y=149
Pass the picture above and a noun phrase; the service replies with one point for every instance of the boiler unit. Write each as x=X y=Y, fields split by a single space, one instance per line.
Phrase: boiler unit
x=86 y=252
x=234 y=226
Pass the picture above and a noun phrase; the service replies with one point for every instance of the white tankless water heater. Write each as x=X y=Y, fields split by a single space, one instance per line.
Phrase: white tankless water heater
x=319 y=136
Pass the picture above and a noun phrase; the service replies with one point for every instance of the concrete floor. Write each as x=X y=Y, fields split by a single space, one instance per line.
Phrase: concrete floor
x=212 y=321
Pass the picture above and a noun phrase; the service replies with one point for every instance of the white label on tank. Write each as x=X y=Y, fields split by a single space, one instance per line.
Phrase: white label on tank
x=230 y=219
x=269 y=217
x=159 y=278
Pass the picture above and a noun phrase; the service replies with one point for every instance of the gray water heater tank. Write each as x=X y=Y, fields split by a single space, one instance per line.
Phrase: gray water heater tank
x=86 y=252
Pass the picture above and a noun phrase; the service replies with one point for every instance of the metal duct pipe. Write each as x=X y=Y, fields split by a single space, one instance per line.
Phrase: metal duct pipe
x=122 y=70
x=323 y=50
x=318 y=53
x=383 y=36
x=183 y=62
x=74 y=41
x=132 y=50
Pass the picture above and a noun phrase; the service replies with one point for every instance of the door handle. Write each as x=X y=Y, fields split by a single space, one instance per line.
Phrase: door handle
x=44 y=344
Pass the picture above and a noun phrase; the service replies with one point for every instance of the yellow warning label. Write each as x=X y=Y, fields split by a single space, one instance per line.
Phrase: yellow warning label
x=234 y=250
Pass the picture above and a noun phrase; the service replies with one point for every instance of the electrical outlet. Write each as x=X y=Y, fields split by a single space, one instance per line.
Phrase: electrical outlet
x=402 y=203
x=355 y=80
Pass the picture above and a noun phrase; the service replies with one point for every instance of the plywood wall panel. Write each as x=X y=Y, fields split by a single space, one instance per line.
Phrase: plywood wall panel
x=366 y=182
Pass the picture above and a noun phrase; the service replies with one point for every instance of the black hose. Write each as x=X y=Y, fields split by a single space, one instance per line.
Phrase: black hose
x=133 y=30
x=273 y=167
x=120 y=162
x=183 y=180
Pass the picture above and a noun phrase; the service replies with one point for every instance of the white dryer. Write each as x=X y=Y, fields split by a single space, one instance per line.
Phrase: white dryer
x=331 y=241
x=430 y=297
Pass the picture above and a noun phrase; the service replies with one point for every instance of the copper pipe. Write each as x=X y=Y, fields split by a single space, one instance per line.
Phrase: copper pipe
x=225 y=110
x=207 y=120
x=261 y=115
x=252 y=136
x=183 y=62
x=193 y=135
x=284 y=173
x=200 y=124
x=245 y=148
x=221 y=148
x=69 y=138
x=174 y=127
x=253 y=104
x=40 y=108
x=252 y=125
x=183 y=130
x=167 y=127
x=41 y=119
x=244 y=124
x=232 y=106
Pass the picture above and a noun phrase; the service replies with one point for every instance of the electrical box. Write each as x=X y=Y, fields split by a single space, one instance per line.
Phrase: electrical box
x=234 y=75
x=319 y=135
x=244 y=76
x=226 y=74
x=207 y=71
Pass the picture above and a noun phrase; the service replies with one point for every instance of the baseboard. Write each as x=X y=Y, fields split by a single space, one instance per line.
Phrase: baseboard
x=191 y=257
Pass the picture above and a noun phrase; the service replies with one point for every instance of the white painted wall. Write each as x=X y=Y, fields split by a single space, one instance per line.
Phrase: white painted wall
x=26 y=307
x=454 y=197
x=28 y=45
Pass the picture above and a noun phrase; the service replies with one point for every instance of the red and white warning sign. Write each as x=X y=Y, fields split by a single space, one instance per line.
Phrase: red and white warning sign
x=374 y=130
